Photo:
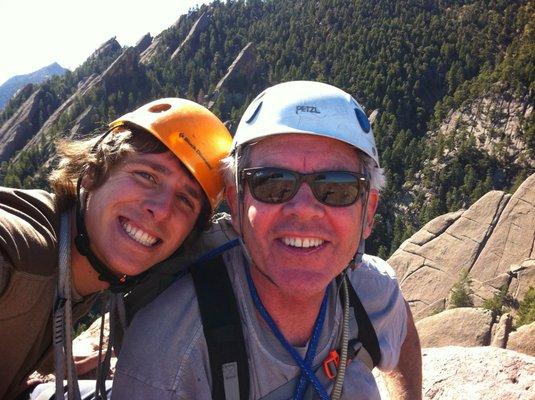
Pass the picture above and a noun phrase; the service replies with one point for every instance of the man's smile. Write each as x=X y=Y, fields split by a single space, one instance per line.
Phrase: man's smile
x=304 y=242
x=137 y=234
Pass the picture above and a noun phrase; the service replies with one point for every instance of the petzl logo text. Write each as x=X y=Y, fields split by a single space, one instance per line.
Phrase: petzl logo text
x=307 y=109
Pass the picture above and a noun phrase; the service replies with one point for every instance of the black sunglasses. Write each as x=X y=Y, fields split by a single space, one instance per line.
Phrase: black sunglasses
x=333 y=188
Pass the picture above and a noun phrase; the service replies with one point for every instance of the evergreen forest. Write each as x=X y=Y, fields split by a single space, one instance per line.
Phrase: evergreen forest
x=450 y=83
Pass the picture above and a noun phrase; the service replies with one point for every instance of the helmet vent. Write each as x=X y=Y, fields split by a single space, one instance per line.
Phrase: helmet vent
x=255 y=113
x=363 y=120
x=158 y=108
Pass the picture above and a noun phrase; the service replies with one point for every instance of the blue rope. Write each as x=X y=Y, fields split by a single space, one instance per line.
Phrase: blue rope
x=218 y=250
x=305 y=365
x=311 y=351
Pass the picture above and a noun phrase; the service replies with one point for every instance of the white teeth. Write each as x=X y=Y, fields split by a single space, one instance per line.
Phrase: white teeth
x=138 y=235
x=302 y=242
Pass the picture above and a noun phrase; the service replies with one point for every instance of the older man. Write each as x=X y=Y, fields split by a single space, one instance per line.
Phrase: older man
x=313 y=315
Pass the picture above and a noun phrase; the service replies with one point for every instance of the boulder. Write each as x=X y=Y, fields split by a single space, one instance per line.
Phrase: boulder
x=459 y=326
x=523 y=340
x=501 y=330
x=523 y=278
x=455 y=373
x=85 y=349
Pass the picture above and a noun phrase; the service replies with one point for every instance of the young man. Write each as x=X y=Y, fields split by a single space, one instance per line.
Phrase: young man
x=122 y=203
x=316 y=316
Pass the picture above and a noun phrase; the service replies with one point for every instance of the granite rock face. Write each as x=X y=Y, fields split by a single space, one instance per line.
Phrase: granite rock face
x=120 y=70
x=523 y=340
x=24 y=123
x=475 y=373
x=143 y=43
x=468 y=327
x=200 y=25
x=244 y=66
x=492 y=241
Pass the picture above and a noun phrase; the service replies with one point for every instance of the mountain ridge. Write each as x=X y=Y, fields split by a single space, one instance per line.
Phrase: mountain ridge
x=18 y=82
x=418 y=62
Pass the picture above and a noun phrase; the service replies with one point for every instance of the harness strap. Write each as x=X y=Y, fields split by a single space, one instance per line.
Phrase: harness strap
x=222 y=329
x=366 y=333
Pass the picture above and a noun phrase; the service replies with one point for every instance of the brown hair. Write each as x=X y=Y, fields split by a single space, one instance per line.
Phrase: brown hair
x=78 y=157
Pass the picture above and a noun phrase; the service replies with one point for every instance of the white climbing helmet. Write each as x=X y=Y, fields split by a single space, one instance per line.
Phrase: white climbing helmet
x=312 y=108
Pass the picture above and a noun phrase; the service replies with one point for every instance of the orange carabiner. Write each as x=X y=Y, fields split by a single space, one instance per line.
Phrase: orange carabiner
x=331 y=363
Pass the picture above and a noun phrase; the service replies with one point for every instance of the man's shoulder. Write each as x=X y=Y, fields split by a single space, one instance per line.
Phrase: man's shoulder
x=163 y=337
x=24 y=198
x=29 y=229
x=377 y=287
x=375 y=268
x=166 y=272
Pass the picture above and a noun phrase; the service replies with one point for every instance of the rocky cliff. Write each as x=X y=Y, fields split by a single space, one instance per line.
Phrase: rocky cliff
x=492 y=242
x=112 y=79
x=199 y=26
x=244 y=65
x=25 y=122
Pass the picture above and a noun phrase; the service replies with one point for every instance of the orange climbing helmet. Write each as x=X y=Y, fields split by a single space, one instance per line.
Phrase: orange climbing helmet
x=193 y=134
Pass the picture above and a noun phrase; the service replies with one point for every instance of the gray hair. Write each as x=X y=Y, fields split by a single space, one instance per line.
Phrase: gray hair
x=228 y=168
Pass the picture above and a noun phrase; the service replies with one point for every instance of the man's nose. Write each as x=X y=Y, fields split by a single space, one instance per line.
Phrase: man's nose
x=160 y=205
x=304 y=204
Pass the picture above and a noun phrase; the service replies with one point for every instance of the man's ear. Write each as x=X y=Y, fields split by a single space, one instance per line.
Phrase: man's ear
x=373 y=202
x=232 y=200
x=88 y=180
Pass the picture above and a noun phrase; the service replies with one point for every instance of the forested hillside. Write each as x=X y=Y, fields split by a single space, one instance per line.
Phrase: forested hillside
x=453 y=83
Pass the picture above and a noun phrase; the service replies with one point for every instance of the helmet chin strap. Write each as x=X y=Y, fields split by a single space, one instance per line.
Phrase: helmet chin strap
x=357 y=258
x=81 y=241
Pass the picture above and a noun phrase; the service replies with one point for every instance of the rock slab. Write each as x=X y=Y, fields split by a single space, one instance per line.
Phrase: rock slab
x=474 y=373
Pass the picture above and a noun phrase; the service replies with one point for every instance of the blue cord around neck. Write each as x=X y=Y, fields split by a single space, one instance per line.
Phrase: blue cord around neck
x=306 y=365
x=217 y=251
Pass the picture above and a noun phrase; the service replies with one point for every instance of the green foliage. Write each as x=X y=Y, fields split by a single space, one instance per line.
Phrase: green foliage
x=461 y=292
x=499 y=303
x=526 y=310
x=414 y=60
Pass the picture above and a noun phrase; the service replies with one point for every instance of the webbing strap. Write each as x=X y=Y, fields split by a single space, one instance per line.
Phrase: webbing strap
x=223 y=330
x=366 y=332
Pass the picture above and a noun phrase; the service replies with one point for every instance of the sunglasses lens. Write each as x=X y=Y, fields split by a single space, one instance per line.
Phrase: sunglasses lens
x=336 y=188
x=272 y=185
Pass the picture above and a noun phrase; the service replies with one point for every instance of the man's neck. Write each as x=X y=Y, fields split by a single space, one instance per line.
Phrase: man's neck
x=294 y=315
x=84 y=277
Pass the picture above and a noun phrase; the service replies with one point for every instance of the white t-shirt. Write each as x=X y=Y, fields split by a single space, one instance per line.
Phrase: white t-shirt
x=164 y=354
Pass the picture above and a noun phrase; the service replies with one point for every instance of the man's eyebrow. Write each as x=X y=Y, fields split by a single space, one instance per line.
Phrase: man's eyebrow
x=193 y=192
x=154 y=165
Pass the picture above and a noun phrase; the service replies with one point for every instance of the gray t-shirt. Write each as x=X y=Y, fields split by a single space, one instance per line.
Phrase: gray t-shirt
x=165 y=356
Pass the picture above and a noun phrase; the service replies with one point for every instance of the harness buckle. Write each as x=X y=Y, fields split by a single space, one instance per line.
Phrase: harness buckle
x=331 y=364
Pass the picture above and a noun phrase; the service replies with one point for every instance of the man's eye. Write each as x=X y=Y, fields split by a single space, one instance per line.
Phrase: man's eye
x=185 y=200
x=147 y=176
